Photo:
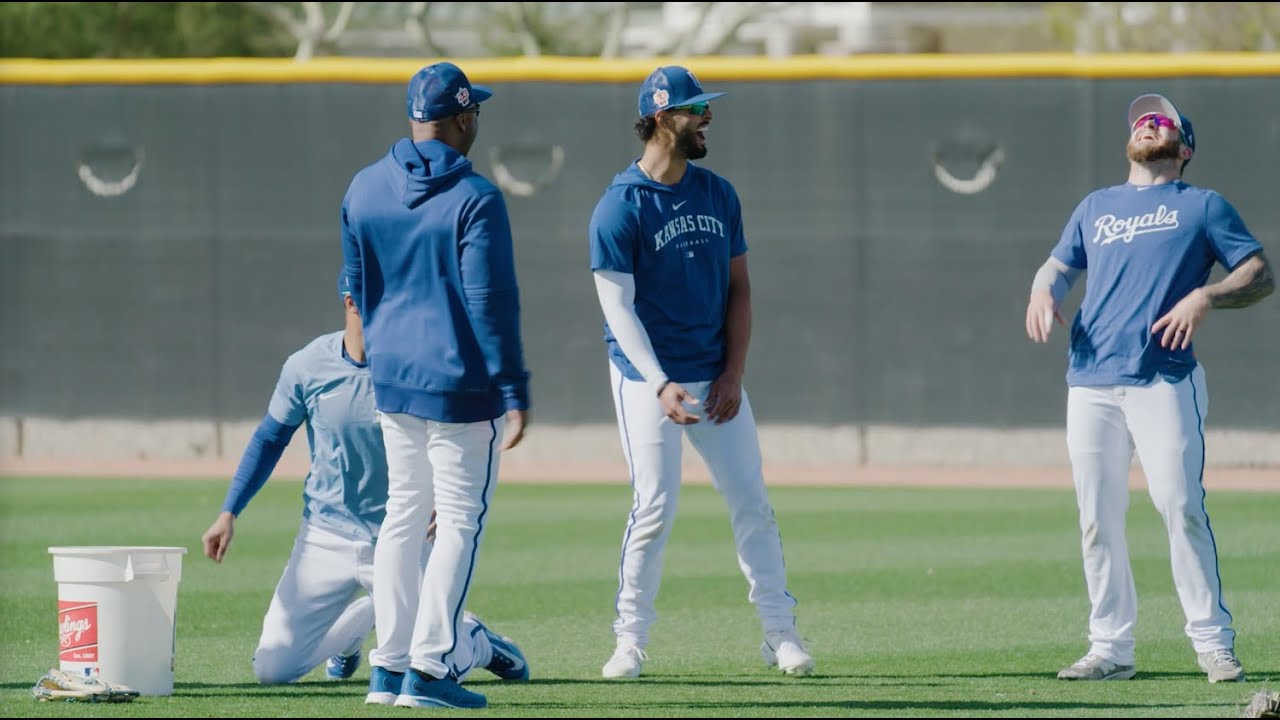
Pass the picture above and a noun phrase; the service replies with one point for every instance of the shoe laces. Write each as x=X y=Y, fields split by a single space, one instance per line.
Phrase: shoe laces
x=501 y=661
x=633 y=650
x=1225 y=657
x=1089 y=661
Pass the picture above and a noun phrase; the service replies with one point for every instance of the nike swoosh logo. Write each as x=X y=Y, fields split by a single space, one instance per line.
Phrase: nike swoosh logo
x=677 y=205
x=331 y=393
x=1145 y=188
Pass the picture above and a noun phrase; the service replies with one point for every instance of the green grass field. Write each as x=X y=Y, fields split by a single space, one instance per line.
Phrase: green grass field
x=920 y=602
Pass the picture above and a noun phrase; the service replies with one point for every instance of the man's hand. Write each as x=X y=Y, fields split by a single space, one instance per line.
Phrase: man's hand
x=218 y=537
x=1041 y=312
x=673 y=398
x=724 y=400
x=517 y=421
x=1182 y=321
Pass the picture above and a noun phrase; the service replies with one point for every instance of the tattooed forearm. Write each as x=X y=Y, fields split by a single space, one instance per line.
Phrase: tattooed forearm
x=1251 y=281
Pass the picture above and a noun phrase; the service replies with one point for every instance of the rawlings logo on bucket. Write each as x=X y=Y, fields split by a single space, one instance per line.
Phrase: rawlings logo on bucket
x=77 y=631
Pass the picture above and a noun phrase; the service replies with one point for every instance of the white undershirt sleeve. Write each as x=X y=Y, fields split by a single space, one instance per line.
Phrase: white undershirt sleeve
x=1057 y=277
x=617 y=293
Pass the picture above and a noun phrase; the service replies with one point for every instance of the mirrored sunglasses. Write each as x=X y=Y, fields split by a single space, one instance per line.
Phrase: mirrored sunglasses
x=1159 y=119
x=694 y=109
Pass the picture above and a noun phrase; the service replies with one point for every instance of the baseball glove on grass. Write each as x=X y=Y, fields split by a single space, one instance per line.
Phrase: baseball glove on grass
x=59 y=685
x=1264 y=704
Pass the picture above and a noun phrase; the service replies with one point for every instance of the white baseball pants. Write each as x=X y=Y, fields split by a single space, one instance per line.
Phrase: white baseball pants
x=452 y=467
x=313 y=616
x=652 y=445
x=1165 y=423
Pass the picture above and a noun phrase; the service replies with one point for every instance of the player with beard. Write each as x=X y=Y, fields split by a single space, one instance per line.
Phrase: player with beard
x=670 y=263
x=1135 y=383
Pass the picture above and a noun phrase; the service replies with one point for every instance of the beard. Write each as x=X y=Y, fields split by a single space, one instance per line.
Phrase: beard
x=1154 y=152
x=687 y=143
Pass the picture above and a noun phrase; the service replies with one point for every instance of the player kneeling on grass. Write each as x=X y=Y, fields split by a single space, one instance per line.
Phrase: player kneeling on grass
x=315 y=614
x=1135 y=383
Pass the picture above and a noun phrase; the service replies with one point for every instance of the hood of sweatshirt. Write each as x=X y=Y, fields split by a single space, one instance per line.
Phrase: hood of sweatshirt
x=423 y=169
x=633 y=175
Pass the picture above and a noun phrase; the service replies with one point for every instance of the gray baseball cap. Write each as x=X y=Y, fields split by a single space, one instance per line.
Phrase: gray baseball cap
x=1153 y=103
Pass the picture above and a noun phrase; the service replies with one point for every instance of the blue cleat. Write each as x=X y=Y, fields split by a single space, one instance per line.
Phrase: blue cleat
x=384 y=686
x=508 y=661
x=341 y=667
x=423 y=691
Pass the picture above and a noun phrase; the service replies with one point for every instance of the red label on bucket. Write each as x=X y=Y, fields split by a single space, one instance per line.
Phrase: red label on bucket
x=77 y=631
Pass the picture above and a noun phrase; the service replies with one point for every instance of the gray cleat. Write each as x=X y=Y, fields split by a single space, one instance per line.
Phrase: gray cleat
x=1093 y=667
x=1221 y=665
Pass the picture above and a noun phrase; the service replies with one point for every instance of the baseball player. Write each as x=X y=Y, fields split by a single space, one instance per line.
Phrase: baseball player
x=315 y=613
x=429 y=256
x=1134 y=382
x=670 y=266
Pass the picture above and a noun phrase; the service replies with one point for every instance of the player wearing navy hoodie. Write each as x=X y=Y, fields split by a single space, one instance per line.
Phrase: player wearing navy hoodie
x=429 y=258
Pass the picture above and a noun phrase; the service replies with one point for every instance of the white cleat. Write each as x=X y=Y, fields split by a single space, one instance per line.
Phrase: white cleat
x=1221 y=666
x=626 y=663
x=1096 y=667
x=784 y=650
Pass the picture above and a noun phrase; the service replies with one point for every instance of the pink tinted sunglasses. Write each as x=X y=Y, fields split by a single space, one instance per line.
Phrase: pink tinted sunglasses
x=1160 y=121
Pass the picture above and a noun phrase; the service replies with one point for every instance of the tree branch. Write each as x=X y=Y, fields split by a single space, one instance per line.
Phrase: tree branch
x=746 y=13
x=313 y=12
x=299 y=28
x=528 y=41
x=417 y=24
x=278 y=12
x=680 y=45
x=613 y=35
x=339 y=25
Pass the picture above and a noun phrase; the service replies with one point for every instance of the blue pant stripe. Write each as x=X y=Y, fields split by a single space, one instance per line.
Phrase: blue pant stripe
x=475 y=545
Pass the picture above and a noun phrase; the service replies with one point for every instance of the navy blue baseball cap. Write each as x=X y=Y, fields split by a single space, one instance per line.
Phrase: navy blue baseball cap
x=1147 y=104
x=440 y=91
x=671 y=86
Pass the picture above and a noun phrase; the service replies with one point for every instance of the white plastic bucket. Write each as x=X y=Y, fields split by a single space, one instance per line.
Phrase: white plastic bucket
x=116 y=613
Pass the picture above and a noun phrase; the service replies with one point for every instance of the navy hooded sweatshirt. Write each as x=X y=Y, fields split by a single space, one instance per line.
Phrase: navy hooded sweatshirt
x=429 y=261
